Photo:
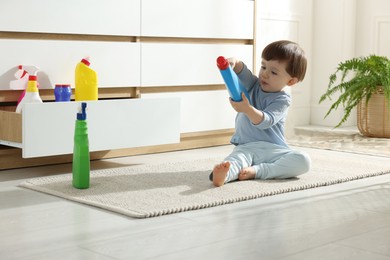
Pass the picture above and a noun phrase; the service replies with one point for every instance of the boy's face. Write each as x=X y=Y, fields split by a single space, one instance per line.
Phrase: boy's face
x=274 y=77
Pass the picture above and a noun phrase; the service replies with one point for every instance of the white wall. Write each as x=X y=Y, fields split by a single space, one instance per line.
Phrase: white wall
x=373 y=27
x=330 y=31
x=289 y=20
x=333 y=41
x=343 y=29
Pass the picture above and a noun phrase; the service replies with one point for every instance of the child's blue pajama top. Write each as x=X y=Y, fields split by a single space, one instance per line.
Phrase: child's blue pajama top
x=274 y=106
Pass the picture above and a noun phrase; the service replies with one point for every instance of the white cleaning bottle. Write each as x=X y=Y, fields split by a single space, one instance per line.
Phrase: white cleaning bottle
x=32 y=93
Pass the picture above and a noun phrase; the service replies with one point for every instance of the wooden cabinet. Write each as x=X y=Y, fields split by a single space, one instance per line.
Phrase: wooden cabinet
x=166 y=49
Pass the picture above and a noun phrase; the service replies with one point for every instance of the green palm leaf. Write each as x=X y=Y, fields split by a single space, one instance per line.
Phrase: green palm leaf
x=356 y=80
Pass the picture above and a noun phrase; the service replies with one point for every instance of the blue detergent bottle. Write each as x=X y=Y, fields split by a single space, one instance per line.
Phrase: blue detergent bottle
x=231 y=80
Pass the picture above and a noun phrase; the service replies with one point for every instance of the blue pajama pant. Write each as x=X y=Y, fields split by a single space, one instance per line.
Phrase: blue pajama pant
x=270 y=161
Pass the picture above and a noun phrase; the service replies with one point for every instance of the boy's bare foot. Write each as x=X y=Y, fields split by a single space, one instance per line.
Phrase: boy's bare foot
x=219 y=173
x=247 y=173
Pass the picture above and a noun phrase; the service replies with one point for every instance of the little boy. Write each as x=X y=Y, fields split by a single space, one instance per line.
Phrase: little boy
x=260 y=150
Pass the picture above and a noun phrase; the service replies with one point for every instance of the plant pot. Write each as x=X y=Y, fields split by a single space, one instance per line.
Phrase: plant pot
x=374 y=116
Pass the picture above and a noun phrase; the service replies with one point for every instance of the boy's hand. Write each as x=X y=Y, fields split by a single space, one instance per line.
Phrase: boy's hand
x=236 y=64
x=242 y=106
x=232 y=62
x=255 y=116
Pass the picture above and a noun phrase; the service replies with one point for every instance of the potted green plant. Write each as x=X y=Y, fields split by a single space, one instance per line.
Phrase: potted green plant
x=357 y=81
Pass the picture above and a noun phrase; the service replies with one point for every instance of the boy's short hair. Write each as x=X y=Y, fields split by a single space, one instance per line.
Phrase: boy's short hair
x=289 y=52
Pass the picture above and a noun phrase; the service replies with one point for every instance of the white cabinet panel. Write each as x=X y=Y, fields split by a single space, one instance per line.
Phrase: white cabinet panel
x=103 y=17
x=48 y=128
x=117 y=63
x=202 y=111
x=187 y=64
x=198 y=18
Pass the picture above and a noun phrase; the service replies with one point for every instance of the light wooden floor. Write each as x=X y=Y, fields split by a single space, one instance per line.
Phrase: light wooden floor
x=343 y=221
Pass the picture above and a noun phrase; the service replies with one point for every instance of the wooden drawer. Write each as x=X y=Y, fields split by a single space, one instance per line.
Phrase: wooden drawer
x=189 y=64
x=213 y=110
x=230 y=19
x=102 y=17
x=116 y=63
x=47 y=129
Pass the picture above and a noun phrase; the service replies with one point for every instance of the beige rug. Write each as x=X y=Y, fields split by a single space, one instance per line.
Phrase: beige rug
x=342 y=141
x=155 y=190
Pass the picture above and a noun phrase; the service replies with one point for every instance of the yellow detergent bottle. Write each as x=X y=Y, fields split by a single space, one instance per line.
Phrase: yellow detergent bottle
x=86 y=82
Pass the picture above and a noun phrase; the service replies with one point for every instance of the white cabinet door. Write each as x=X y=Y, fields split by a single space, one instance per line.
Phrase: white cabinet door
x=198 y=18
x=48 y=128
x=187 y=64
x=116 y=63
x=103 y=17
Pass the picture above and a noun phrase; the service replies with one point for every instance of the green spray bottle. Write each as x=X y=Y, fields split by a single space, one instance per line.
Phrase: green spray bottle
x=81 y=160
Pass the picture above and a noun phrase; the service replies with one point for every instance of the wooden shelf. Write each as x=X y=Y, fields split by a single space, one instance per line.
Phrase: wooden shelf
x=11 y=96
